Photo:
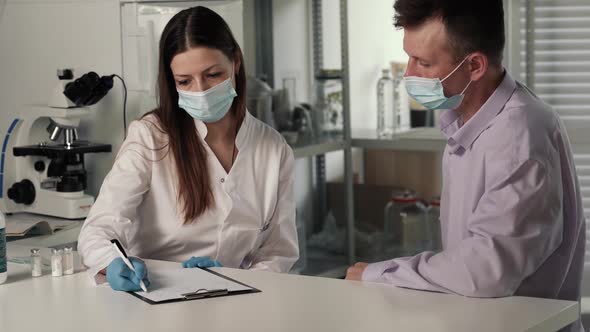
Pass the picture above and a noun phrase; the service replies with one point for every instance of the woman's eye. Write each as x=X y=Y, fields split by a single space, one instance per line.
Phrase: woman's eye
x=424 y=64
x=214 y=75
x=182 y=83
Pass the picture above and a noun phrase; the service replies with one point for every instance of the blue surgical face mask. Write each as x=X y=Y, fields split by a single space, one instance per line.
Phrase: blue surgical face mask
x=430 y=93
x=211 y=105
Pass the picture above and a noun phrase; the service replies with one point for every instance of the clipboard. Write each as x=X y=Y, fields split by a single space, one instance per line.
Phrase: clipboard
x=170 y=293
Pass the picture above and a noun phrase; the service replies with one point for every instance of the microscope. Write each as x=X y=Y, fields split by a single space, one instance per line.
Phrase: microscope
x=49 y=178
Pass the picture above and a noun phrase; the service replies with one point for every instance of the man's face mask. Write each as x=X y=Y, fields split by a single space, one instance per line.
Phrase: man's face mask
x=430 y=93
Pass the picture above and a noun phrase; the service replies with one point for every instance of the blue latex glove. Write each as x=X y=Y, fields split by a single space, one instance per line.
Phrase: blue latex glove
x=201 y=262
x=121 y=278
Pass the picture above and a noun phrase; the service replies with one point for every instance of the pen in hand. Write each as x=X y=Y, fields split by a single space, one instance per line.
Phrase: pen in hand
x=125 y=259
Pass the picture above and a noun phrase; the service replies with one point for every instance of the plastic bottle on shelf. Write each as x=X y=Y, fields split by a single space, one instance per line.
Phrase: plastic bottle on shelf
x=406 y=223
x=400 y=98
x=386 y=111
x=328 y=117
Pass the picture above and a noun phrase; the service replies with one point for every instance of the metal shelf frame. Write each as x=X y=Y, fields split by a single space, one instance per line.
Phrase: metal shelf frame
x=319 y=148
x=417 y=139
x=348 y=171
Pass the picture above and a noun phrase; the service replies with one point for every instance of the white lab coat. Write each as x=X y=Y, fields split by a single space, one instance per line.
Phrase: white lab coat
x=252 y=222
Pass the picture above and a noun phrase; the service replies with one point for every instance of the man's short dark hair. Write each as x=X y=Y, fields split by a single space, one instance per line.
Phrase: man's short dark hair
x=471 y=25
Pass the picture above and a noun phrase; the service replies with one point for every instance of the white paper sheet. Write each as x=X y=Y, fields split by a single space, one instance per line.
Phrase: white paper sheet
x=21 y=223
x=169 y=283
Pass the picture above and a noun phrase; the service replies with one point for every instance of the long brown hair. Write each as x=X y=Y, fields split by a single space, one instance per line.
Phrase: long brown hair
x=193 y=27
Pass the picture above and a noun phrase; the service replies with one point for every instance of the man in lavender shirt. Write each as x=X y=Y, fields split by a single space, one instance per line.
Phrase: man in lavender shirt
x=511 y=213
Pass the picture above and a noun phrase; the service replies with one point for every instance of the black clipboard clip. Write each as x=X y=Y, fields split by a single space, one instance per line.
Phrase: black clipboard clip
x=203 y=293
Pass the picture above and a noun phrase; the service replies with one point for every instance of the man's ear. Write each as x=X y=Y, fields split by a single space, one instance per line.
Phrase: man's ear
x=478 y=65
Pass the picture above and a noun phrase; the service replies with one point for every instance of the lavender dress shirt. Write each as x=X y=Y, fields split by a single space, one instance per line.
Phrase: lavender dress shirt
x=511 y=213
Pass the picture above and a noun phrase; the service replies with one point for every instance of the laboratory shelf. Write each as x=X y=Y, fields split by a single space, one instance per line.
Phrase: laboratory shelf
x=321 y=263
x=337 y=272
x=319 y=146
x=418 y=139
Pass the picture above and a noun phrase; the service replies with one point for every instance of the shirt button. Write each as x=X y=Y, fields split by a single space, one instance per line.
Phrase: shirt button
x=222 y=180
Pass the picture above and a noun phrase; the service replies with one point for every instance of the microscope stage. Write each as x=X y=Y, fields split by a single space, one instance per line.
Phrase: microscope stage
x=57 y=150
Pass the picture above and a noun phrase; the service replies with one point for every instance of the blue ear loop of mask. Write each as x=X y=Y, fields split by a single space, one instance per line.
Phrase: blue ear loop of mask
x=210 y=105
x=429 y=92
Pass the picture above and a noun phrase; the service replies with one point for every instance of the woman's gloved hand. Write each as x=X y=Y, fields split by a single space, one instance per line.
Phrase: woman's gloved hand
x=121 y=278
x=201 y=262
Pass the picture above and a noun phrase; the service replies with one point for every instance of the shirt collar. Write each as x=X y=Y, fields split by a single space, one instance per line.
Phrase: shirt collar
x=463 y=136
x=240 y=137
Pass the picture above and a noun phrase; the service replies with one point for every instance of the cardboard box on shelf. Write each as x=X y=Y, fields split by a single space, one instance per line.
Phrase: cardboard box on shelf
x=414 y=170
x=386 y=172
x=369 y=203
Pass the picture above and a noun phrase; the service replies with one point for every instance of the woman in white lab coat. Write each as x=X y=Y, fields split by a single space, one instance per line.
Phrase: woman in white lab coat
x=198 y=180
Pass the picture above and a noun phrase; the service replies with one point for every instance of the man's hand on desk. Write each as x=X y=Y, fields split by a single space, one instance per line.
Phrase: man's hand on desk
x=355 y=272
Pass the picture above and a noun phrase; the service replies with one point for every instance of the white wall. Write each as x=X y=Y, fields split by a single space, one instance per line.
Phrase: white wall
x=373 y=44
x=292 y=59
x=249 y=44
x=331 y=34
x=36 y=38
x=291 y=36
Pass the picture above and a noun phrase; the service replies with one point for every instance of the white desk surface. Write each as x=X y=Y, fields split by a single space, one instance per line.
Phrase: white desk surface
x=287 y=303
